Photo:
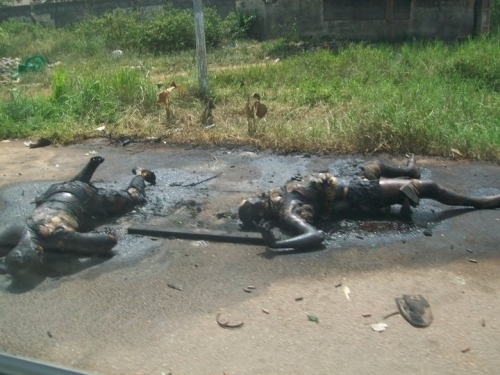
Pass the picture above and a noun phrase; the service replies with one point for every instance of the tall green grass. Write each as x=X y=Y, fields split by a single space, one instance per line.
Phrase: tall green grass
x=427 y=97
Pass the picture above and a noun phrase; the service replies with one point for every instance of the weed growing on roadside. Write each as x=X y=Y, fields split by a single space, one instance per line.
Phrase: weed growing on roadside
x=425 y=97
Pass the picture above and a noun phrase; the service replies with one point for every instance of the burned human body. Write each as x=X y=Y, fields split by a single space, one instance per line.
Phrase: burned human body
x=301 y=203
x=63 y=216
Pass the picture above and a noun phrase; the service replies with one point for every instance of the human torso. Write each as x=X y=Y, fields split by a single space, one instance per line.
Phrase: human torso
x=76 y=200
x=322 y=194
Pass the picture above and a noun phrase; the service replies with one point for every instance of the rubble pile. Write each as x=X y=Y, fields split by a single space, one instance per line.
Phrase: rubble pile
x=8 y=67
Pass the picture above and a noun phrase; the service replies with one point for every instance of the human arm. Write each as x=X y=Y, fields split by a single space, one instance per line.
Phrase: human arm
x=307 y=237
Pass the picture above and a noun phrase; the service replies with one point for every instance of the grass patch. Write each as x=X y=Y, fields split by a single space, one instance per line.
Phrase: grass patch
x=422 y=97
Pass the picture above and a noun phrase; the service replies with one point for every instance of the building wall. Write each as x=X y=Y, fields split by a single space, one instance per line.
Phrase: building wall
x=341 y=19
x=63 y=13
x=365 y=19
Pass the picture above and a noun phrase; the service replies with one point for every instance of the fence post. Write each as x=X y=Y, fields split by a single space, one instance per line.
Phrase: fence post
x=201 y=52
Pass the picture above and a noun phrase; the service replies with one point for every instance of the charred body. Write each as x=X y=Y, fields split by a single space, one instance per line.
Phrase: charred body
x=301 y=203
x=64 y=216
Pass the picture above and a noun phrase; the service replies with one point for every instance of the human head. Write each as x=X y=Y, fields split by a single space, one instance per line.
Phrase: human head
x=24 y=260
x=253 y=210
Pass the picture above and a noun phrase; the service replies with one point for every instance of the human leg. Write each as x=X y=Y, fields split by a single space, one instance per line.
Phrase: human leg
x=378 y=168
x=432 y=190
x=395 y=191
x=85 y=175
x=115 y=202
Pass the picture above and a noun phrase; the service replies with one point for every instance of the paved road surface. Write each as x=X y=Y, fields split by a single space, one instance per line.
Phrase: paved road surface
x=122 y=316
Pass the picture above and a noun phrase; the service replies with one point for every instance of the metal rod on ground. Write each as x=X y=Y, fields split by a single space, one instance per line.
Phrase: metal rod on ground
x=201 y=53
x=197 y=234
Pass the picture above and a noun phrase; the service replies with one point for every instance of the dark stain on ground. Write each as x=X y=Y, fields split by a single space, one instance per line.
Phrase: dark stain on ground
x=213 y=204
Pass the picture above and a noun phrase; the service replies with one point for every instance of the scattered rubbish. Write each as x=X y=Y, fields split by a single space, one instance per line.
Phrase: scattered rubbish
x=483 y=323
x=42 y=142
x=200 y=243
x=49 y=334
x=366 y=315
x=247 y=290
x=126 y=142
x=91 y=153
x=32 y=63
x=469 y=251
x=117 y=54
x=465 y=349
x=346 y=291
x=313 y=318
x=299 y=298
x=224 y=323
x=7 y=68
x=415 y=309
x=100 y=128
x=428 y=232
x=251 y=287
x=5 y=141
x=209 y=126
x=379 y=327
x=390 y=315
x=202 y=181
x=455 y=151
x=460 y=280
x=338 y=285
x=172 y=286
x=265 y=311
x=472 y=260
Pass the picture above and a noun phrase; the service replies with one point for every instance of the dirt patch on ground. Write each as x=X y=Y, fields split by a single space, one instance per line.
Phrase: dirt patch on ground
x=152 y=308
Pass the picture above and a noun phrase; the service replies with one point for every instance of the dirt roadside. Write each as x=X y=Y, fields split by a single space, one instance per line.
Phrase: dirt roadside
x=152 y=308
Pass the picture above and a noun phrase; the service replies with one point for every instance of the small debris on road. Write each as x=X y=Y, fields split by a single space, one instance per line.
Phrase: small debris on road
x=366 y=315
x=42 y=142
x=299 y=298
x=466 y=349
x=379 y=327
x=415 y=309
x=428 y=232
x=472 y=260
x=172 y=286
x=469 y=251
x=346 y=291
x=265 y=311
x=247 y=290
x=391 y=315
x=313 y=318
x=224 y=323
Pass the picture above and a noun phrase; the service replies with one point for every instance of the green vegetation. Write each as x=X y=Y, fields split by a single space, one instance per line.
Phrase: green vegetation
x=427 y=97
